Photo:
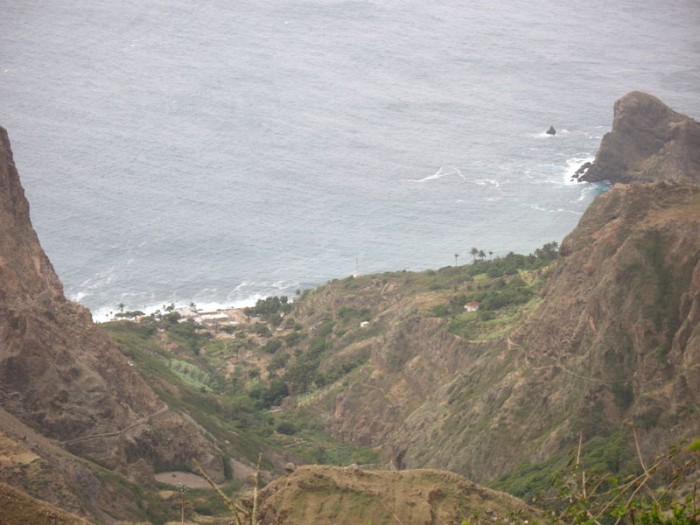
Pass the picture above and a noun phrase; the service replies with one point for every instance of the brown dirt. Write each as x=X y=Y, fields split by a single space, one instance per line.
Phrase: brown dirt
x=338 y=496
x=18 y=508
x=189 y=480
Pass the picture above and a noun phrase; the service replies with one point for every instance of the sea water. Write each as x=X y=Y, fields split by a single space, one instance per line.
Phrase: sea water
x=215 y=151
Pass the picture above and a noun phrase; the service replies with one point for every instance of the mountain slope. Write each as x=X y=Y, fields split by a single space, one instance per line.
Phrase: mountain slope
x=18 y=508
x=61 y=376
x=614 y=338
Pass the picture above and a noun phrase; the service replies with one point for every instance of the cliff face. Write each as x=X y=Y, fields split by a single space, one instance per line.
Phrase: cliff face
x=648 y=142
x=628 y=275
x=615 y=337
x=60 y=375
x=26 y=274
x=619 y=322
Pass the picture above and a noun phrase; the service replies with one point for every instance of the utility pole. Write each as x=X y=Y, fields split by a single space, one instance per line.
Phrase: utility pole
x=182 y=505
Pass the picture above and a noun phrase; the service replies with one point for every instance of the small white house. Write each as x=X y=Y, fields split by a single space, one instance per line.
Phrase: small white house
x=472 y=306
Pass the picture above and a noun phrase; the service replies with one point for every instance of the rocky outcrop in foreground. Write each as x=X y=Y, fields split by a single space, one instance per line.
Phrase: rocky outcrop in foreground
x=648 y=142
x=330 y=495
x=18 y=508
x=61 y=376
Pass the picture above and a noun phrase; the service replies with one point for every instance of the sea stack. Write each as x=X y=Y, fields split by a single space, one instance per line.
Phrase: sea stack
x=648 y=142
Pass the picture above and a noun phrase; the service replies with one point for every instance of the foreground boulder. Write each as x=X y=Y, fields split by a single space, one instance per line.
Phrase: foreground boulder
x=18 y=508
x=333 y=496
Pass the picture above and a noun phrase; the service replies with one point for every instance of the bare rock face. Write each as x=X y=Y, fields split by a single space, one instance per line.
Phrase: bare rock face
x=25 y=271
x=615 y=338
x=622 y=306
x=60 y=375
x=649 y=141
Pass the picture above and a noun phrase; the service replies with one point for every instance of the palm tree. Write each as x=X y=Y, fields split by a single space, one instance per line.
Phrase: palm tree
x=456 y=257
x=474 y=252
x=482 y=255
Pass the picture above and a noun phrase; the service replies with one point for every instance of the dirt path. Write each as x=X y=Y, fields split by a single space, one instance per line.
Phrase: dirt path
x=512 y=344
x=118 y=432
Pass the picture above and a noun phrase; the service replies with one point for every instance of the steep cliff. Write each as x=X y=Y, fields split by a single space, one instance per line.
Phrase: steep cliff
x=61 y=376
x=648 y=142
x=614 y=339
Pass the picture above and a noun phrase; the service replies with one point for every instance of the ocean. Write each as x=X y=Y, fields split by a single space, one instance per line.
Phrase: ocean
x=216 y=152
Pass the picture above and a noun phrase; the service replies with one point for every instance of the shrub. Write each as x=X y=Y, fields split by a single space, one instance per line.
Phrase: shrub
x=272 y=346
x=262 y=330
x=293 y=338
x=278 y=361
x=440 y=310
x=287 y=428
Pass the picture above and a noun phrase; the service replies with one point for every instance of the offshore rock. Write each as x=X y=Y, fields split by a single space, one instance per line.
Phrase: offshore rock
x=648 y=142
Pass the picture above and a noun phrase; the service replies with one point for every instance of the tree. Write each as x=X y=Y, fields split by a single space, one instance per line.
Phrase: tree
x=456 y=257
x=482 y=255
x=474 y=252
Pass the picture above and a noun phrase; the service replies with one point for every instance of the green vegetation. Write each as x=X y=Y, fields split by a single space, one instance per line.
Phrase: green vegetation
x=233 y=379
x=648 y=496
x=607 y=481
x=270 y=309
x=228 y=379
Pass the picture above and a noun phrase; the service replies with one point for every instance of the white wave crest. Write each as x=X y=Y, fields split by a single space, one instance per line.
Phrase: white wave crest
x=554 y=210
x=92 y=284
x=454 y=171
x=486 y=182
x=439 y=174
x=572 y=165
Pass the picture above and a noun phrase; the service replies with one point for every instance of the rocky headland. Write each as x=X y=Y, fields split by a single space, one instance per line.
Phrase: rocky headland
x=648 y=142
